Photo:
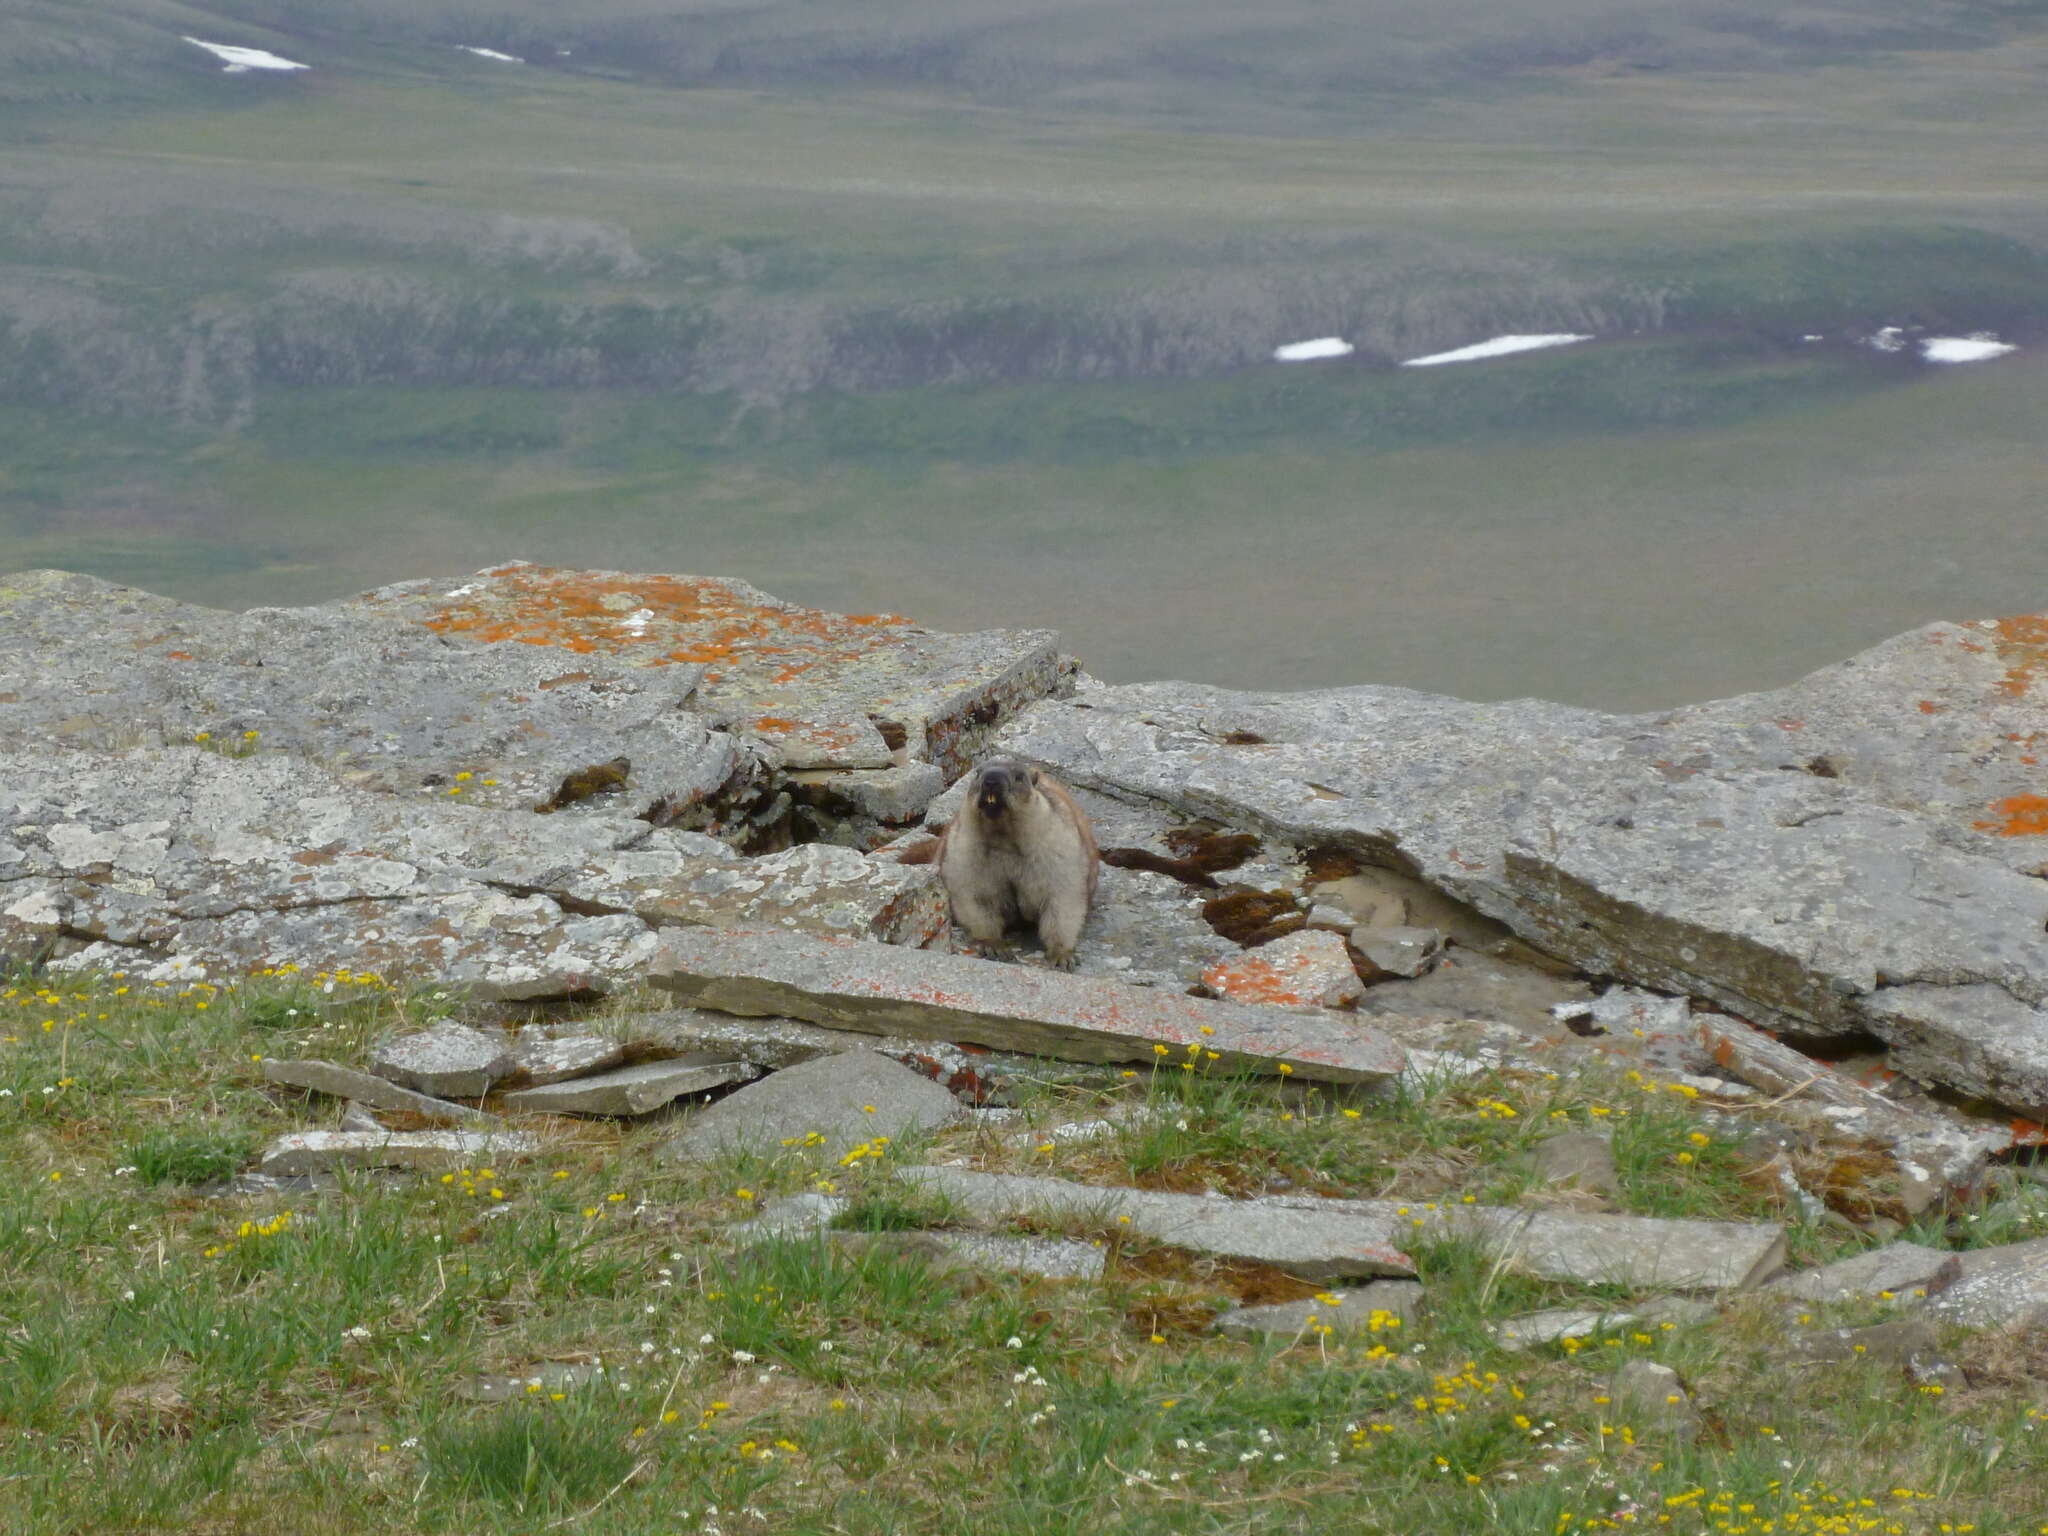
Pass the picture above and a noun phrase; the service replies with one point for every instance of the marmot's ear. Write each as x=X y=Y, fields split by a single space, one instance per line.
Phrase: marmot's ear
x=1034 y=778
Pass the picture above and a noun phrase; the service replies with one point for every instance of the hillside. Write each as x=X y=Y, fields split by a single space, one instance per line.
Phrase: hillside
x=787 y=289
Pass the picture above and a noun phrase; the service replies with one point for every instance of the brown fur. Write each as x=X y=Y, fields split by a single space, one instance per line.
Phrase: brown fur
x=1020 y=853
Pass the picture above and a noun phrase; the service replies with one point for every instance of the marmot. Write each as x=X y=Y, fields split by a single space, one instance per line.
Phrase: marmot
x=1020 y=851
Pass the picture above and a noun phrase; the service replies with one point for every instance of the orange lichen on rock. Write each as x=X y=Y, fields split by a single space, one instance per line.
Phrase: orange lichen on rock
x=2018 y=816
x=639 y=616
x=2023 y=647
x=1255 y=980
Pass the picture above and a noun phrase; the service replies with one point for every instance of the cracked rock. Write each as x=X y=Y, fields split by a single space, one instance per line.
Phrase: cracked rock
x=629 y=1092
x=885 y=989
x=448 y=1060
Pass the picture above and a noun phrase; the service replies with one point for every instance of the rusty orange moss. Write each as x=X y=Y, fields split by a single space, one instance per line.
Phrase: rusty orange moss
x=2018 y=816
x=2023 y=647
x=581 y=612
x=1256 y=980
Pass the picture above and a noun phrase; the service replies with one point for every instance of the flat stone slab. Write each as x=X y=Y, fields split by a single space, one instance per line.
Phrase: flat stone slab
x=365 y=1088
x=815 y=887
x=1379 y=1309
x=768 y=1043
x=319 y=1151
x=1644 y=1253
x=629 y=1092
x=1589 y=1248
x=1783 y=897
x=1899 y=1268
x=822 y=690
x=539 y=1059
x=1313 y=1244
x=1042 y=1258
x=884 y=989
x=1999 y=1287
x=176 y=863
x=1309 y=969
x=846 y=1100
x=449 y=1060
x=1979 y=1038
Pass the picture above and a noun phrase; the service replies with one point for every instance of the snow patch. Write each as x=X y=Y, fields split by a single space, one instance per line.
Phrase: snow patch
x=1976 y=348
x=1308 y=351
x=1891 y=339
x=239 y=61
x=491 y=53
x=1500 y=346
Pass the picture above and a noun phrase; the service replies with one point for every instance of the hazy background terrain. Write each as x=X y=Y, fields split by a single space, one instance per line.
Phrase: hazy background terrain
x=966 y=310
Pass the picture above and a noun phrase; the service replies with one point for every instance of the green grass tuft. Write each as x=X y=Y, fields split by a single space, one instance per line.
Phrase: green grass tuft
x=188 y=1156
x=529 y=1459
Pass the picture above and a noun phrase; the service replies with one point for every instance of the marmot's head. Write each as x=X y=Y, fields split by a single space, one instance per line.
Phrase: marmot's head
x=999 y=784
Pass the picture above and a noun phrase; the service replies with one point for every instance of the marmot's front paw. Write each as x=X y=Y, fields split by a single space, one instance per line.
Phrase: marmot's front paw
x=1063 y=962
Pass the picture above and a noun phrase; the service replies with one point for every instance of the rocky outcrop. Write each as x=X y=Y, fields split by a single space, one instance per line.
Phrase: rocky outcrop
x=504 y=784
x=1858 y=854
x=516 y=782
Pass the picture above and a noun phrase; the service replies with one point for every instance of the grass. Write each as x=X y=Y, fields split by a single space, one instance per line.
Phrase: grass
x=173 y=1359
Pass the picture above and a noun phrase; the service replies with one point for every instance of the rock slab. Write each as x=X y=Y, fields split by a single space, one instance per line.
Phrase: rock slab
x=1999 y=1287
x=818 y=690
x=1644 y=1253
x=889 y=990
x=539 y=1059
x=367 y=1089
x=1312 y=1244
x=1039 y=1257
x=845 y=1100
x=447 y=1060
x=630 y=1092
x=319 y=1151
x=1898 y=1268
x=1309 y=969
